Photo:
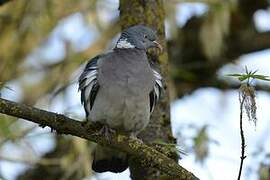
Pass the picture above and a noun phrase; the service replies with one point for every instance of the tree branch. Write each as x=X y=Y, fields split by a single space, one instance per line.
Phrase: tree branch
x=243 y=144
x=243 y=45
x=146 y=155
x=227 y=85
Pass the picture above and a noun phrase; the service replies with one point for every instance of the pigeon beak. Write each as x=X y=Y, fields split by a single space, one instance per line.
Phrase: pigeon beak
x=158 y=45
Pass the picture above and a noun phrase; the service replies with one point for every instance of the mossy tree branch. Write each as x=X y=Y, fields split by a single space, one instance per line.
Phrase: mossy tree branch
x=146 y=155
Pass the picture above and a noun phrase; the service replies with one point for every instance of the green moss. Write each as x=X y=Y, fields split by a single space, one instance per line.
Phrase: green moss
x=120 y=138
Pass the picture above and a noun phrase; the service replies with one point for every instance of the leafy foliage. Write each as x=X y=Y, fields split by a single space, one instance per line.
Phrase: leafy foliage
x=249 y=75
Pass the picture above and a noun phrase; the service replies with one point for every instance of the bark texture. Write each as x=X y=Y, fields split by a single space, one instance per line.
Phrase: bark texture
x=151 y=13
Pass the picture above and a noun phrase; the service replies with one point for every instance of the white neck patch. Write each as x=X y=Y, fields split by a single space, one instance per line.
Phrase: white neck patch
x=124 y=44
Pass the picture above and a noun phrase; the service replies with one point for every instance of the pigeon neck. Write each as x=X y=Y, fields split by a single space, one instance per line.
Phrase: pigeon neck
x=123 y=43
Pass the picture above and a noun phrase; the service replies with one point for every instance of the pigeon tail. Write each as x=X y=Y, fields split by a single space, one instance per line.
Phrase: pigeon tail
x=107 y=159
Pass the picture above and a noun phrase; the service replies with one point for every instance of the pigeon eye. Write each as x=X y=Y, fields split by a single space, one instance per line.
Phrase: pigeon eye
x=145 y=36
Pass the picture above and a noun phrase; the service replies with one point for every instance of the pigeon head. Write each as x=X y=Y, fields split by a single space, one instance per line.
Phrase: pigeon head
x=140 y=37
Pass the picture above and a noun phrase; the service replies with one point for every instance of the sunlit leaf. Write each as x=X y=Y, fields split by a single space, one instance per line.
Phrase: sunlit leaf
x=243 y=77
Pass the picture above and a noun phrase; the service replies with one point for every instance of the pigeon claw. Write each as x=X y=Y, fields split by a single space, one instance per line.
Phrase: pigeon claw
x=134 y=137
x=106 y=131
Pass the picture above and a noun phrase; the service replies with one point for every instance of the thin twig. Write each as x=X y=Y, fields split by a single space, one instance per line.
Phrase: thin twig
x=243 y=144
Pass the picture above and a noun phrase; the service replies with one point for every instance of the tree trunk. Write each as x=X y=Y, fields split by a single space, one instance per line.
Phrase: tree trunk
x=151 y=13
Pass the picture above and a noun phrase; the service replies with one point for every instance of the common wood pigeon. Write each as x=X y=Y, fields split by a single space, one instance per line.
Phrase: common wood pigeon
x=119 y=89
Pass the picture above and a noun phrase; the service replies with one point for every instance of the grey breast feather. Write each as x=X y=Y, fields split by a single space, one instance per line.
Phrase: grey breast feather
x=89 y=84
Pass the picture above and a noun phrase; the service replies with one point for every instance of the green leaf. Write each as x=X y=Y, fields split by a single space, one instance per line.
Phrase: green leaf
x=253 y=73
x=261 y=77
x=249 y=74
x=234 y=75
x=243 y=77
